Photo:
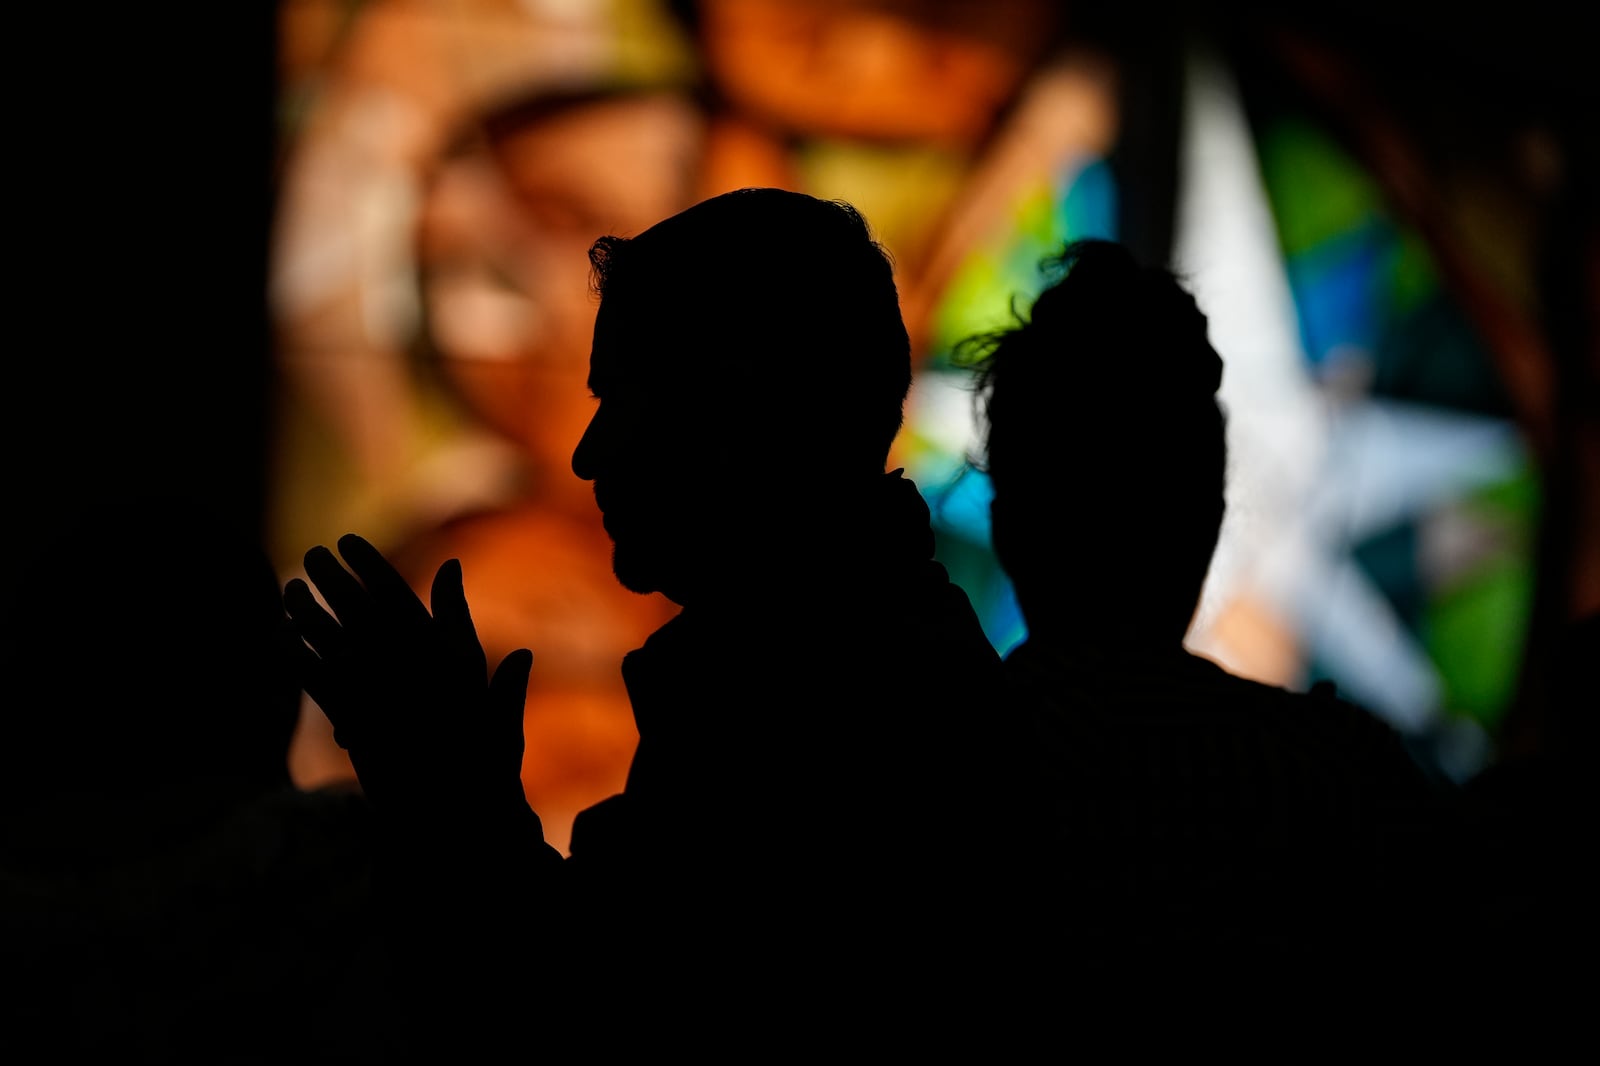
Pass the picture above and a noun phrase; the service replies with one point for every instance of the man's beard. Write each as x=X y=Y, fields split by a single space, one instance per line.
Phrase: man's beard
x=678 y=567
x=635 y=574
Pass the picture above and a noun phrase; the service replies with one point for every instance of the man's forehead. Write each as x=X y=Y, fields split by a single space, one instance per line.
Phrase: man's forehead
x=633 y=343
x=625 y=323
x=663 y=372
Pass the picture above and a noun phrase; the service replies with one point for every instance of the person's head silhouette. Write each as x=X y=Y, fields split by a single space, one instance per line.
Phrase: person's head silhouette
x=745 y=350
x=1105 y=445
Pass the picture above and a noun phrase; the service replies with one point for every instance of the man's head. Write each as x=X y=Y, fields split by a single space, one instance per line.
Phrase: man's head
x=1106 y=448
x=746 y=350
x=509 y=211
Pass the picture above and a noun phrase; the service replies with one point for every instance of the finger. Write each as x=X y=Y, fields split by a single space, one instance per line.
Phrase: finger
x=448 y=599
x=314 y=624
x=344 y=594
x=508 y=689
x=387 y=586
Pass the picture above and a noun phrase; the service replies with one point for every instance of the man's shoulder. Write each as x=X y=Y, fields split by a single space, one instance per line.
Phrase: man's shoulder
x=597 y=827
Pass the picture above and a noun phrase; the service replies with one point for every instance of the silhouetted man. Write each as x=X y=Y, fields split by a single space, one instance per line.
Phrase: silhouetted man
x=824 y=708
x=1202 y=815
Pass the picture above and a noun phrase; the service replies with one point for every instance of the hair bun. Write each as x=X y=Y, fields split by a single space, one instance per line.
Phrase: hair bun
x=1126 y=327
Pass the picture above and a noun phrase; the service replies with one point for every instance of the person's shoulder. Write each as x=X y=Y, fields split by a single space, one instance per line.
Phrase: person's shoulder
x=1359 y=739
x=607 y=832
x=1320 y=706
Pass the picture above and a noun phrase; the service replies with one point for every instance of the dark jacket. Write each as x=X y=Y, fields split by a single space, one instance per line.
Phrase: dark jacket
x=1202 y=815
x=829 y=802
x=830 y=769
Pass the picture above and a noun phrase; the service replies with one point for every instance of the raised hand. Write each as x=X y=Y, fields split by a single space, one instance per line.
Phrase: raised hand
x=437 y=744
x=408 y=691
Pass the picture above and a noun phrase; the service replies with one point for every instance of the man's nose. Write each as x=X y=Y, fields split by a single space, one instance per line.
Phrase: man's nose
x=585 y=456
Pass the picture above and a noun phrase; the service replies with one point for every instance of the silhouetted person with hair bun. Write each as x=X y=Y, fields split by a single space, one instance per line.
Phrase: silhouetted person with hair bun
x=1201 y=816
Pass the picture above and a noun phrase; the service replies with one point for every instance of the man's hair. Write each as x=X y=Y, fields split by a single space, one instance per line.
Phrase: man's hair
x=777 y=286
x=1100 y=407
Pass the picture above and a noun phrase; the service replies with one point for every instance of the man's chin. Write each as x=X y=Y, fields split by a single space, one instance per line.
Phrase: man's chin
x=634 y=574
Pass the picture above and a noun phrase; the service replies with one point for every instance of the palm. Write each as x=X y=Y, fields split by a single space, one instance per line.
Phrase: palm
x=408 y=691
